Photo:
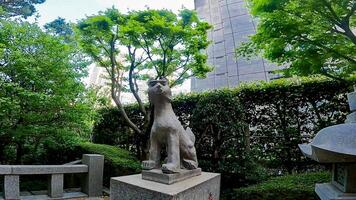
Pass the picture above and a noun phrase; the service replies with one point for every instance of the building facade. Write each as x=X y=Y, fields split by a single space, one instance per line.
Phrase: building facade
x=232 y=24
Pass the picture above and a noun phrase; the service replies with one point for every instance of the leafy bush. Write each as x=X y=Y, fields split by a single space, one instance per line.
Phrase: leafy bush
x=286 y=112
x=290 y=187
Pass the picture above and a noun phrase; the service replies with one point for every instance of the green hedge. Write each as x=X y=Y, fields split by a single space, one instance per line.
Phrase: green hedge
x=119 y=158
x=291 y=187
x=262 y=122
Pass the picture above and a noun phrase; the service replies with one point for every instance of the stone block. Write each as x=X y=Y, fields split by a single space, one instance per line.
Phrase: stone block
x=351 y=118
x=328 y=191
x=48 y=169
x=352 y=101
x=55 y=186
x=5 y=169
x=158 y=176
x=344 y=177
x=93 y=181
x=203 y=187
x=12 y=187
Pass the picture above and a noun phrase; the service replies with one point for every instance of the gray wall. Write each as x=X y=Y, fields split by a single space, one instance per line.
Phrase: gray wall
x=232 y=25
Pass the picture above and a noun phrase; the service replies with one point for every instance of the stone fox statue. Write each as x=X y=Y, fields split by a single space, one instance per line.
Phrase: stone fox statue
x=168 y=132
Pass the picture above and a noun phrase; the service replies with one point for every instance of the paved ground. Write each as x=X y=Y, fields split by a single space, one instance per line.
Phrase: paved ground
x=73 y=194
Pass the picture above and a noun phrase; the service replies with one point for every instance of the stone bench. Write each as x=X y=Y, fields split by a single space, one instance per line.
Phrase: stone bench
x=92 y=167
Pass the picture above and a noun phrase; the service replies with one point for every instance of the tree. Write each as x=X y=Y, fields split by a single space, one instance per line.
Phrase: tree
x=59 y=27
x=43 y=104
x=308 y=36
x=23 y=8
x=142 y=45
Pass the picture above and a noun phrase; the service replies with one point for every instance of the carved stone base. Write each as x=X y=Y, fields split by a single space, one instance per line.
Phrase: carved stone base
x=203 y=187
x=157 y=175
x=328 y=191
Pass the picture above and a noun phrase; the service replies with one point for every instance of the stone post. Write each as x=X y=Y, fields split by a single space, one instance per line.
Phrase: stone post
x=12 y=187
x=55 y=186
x=93 y=181
x=352 y=100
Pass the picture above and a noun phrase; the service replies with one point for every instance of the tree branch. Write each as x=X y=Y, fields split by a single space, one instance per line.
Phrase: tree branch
x=328 y=49
x=116 y=87
x=131 y=83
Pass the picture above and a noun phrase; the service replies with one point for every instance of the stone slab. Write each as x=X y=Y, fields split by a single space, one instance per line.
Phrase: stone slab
x=39 y=192
x=327 y=191
x=69 y=195
x=203 y=187
x=351 y=118
x=157 y=175
x=4 y=169
x=352 y=101
x=25 y=193
x=48 y=169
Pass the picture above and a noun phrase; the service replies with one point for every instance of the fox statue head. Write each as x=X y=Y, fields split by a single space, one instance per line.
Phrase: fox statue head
x=159 y=91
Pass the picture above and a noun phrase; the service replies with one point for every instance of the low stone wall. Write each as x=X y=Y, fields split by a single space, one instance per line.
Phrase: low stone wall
x=92 y=165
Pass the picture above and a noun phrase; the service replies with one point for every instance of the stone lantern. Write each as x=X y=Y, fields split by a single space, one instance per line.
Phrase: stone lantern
x=337 y=145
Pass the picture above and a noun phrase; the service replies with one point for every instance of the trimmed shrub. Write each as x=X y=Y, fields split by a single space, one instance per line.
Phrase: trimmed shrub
x=118 y=158
x=118 y=162
x=290 y=187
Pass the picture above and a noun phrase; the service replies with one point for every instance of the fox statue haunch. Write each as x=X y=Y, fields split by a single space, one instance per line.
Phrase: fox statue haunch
x=167 y=132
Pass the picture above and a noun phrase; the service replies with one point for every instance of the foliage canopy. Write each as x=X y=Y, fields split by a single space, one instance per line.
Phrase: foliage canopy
x=308 y=36
x=42 y=100
x=23 y=8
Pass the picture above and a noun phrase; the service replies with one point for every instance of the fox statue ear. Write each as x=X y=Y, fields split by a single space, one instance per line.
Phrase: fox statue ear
x=169 y=93
x=150 y=82
x=165 y=80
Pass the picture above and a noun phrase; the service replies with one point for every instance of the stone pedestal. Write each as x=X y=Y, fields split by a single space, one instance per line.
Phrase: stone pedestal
x=203 y=187
x=328 y=191
x=158 y=176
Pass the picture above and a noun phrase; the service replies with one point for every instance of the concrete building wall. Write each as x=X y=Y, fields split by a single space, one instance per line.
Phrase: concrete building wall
x=232 y=24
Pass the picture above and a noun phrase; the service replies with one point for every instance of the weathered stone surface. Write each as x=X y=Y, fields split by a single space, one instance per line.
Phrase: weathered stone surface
x=328 y=191
x=93 y=181
x=48 y=169
x=168 y=132
x=158 y=176
x=69 y=195
x=4 y=169
x=39 y=192
x=334 y=144
x=25 y=193
x=352 y=101
x=55 y=186
x=11 y=187
x=203 y=187
x=351 y=118
x=76 y=195
x=344 y=177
